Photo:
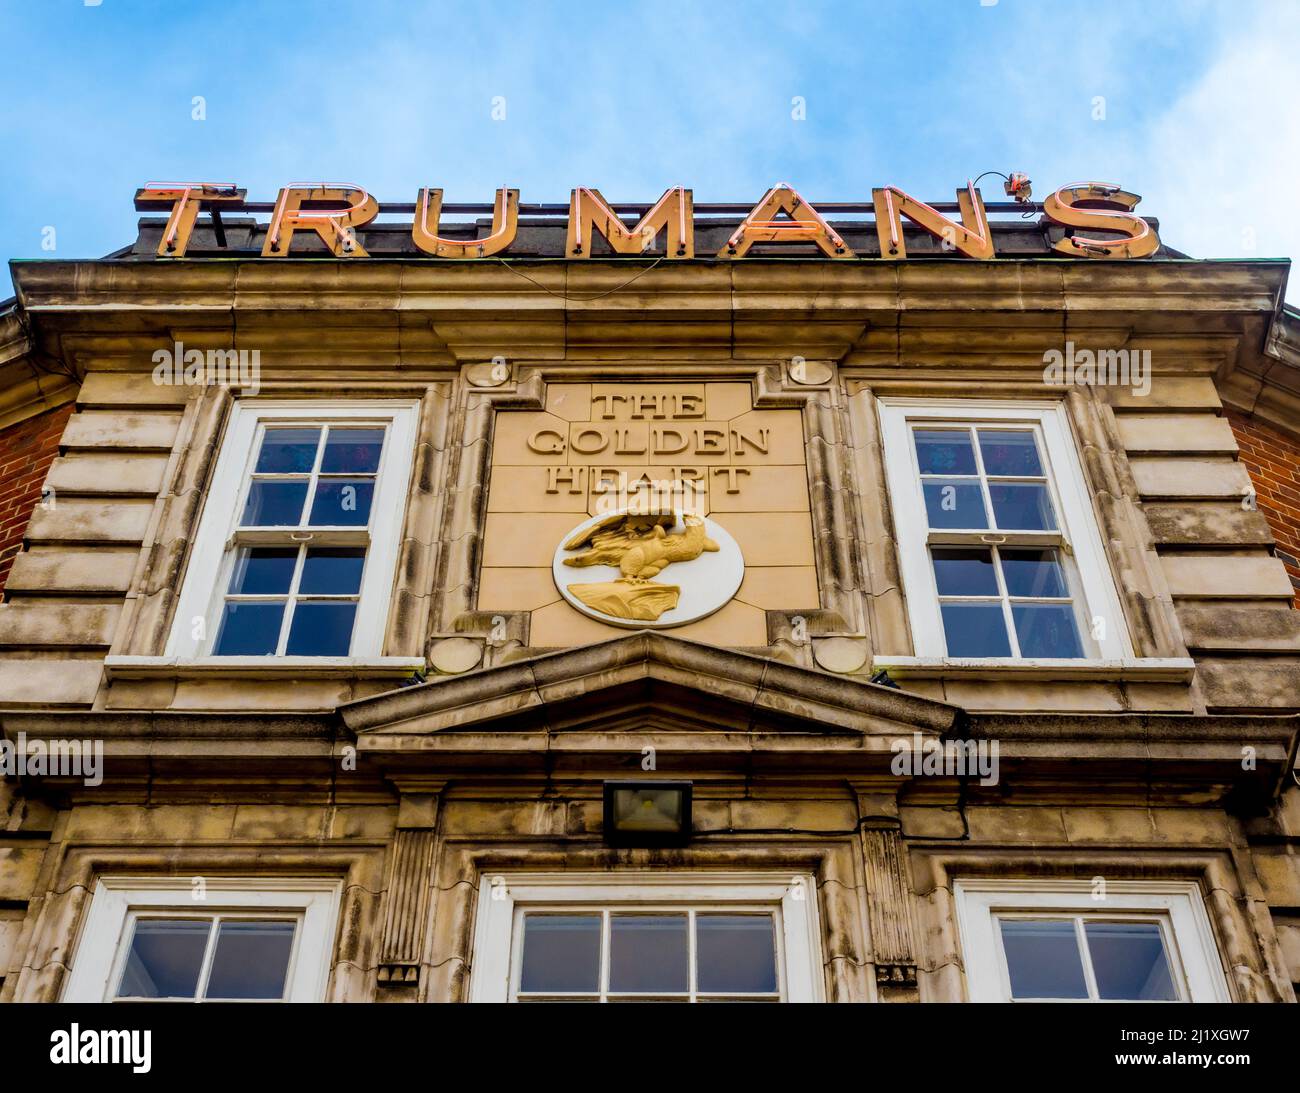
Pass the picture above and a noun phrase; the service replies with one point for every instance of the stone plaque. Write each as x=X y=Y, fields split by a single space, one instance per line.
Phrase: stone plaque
x=696 y=449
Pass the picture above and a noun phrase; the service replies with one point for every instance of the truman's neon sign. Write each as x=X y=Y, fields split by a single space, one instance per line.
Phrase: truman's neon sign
x=333 y=212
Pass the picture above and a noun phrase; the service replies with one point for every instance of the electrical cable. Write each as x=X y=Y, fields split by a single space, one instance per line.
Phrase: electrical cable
x=579 y=299
x=1006 y=178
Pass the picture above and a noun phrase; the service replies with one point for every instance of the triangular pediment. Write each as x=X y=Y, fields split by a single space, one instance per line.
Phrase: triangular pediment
x=647 y=682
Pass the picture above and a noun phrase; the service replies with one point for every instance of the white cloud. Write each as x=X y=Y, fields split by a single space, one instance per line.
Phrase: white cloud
x=1225 y=157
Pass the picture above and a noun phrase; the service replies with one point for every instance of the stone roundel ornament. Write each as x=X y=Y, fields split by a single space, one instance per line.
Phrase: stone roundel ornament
x=648 y=569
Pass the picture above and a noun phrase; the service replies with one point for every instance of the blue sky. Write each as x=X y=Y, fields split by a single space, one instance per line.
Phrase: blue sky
x=1194 y=105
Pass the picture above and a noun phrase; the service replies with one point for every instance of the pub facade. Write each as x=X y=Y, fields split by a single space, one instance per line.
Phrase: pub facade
x=885 y=602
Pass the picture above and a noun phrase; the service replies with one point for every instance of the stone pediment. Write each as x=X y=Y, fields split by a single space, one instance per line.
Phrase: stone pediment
x=651 y=685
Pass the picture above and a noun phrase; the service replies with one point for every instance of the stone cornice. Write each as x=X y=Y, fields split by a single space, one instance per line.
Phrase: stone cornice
x=1266 y=384
x=585 y=714
x=1159 y=735
x=786 y=286
x=15 y=340
x=26 y=392
x=548 y=310
x=26 y=388
x=237 y=729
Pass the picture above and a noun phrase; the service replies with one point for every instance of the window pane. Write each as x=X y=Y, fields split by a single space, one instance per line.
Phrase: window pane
x=561 y=953
x=944 y=451
x=648 y=953
x=1035 y=573
x=964 y=572
x=251 y=960
x=1043 y=959
x=332 y=571
x=1128 y=959
x=954 y=504
x=274 y=502
x=343 y=501
x=321 y=630
x=1011 y=452
x=287 y=451
x=1047 y=630
x=735 y=953
x=248 y=629
x=1024 y=506
x=975 y=630
x=352 y=451
x=165 y=958
x=263 y=571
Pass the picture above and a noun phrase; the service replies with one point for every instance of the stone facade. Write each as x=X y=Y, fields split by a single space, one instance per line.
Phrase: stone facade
x=1173 y=765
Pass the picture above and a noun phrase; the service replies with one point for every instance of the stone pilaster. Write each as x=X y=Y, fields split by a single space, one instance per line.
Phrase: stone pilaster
x=409 y=890
x=890 y=901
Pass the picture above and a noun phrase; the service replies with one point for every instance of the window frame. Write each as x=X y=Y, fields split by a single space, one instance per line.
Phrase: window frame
x=1177 y=905
x=101 y=951
x=1096 y=594
x=497 y=952
x=207 y=576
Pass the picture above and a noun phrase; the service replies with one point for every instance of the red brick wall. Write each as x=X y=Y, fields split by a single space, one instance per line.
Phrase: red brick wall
x=1273 y=460
x=26 y=452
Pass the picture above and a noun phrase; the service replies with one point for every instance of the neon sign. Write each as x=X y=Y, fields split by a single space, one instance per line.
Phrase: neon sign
x=334 y=211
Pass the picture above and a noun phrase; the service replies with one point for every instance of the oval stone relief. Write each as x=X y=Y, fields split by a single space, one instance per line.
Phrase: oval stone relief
x=648 y=569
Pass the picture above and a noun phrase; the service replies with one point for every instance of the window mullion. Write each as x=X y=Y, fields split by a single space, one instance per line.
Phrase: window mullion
x=990 y=518
x=314 y=477
x=290 y=604
x=779 y=949
x=692 y=982
x=605 y=926
x=1081 y=939
x=209 y=955
x=1005 y=597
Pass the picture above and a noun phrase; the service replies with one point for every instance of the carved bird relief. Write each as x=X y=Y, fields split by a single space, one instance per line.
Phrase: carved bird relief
x=640 y=547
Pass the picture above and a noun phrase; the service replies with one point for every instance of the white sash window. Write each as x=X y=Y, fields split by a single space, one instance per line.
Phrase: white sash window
x=296 y=548
x=1040 y=940
x=647 y=937
x=170 y=940
x=998 y=544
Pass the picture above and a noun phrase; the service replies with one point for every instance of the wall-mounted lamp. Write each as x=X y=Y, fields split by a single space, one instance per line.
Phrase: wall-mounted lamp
x=647 y=813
